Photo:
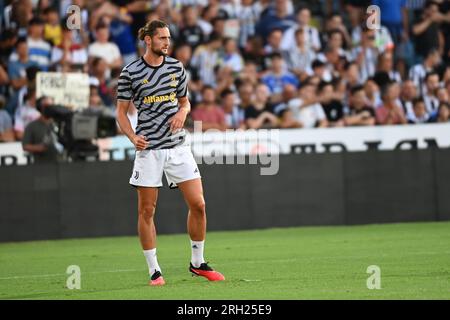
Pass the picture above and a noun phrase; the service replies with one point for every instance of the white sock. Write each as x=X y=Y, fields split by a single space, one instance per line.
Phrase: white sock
x=197 y=253
x=152 y=261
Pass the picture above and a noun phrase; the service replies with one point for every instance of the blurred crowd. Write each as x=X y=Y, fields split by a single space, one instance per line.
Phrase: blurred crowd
x=251 y=64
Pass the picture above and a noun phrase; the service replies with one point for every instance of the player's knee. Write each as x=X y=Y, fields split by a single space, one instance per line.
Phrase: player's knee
x=199 y=207
x=147 y=211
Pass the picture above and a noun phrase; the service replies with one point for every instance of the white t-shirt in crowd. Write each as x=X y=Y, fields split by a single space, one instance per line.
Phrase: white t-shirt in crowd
x=309 y=115
x=108 y=51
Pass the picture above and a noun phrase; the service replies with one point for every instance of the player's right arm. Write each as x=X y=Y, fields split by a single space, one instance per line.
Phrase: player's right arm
x=124 y=97
x=125 y=125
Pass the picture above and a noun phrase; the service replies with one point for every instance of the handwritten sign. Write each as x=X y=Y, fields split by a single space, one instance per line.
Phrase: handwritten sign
x=68 y=89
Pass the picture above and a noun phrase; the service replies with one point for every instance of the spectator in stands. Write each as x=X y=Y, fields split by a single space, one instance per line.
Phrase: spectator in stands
x=331 y=104
x=231 y=57
x=322 y=70
x=443 y=114
x=276 y=17
x=183 y=53
x=420 y=114
x=191 y=33
x=336 y=43
x=39 y=50
x=394 y=16
x=208 y=112
x=390 y=112
x=6 y=124
x=234 y=116
x=225 y=79
x=96 y=105
x=299 y=58
x=104 y=49
x=68 y=54
x=426 y=31
x=442 y=95
x=282 y=111
x=366 y=55
x=219 y=27
x=277 y=78
x=122 y=34
x=386 y=64
x=207 y=15
x=430 y=95
x=52 y=27
x=273 y=42
x=373 y=93
x=246 y=92
x=383 y=39
x=99 y=70
x=247 y=16
x=335 y=22
x=351 y=75
x=407 y=96
x=360 y=114
x=418 y=72
x=25 y=114
x=260 y=114
x=312 y=37
x=8 y=39
x=39 y=138
x=4 y=78
x=306 y=108
x=206 y=58
x=17 y=73
x=249 y=73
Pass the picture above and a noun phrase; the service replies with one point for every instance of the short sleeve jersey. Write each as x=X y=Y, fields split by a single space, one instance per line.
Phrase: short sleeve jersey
x=154 y=91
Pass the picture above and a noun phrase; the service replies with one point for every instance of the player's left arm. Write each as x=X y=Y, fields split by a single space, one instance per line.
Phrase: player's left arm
x=177 y=121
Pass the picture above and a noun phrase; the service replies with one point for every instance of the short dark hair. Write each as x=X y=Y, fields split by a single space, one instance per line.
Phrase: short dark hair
x=226 y=92
x=417 y=100
x=150 y=28
x=50 y=10
x=430 y=74
x=356 y=89
x=36 y=21
x=207 y=87
x=317 y=64
x=444 y=105
x=20 y=41
x=430 y=3
x=323 y=84
x=275 y=55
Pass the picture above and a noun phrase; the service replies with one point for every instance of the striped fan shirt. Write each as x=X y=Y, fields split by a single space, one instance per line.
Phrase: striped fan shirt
x=154 y=91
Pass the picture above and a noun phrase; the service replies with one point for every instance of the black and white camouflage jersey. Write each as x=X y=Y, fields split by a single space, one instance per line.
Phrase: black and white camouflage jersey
x=155 y=91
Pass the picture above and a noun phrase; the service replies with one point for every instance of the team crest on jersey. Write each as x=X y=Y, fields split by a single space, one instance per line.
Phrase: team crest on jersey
x=174 y=82
x=145 y=81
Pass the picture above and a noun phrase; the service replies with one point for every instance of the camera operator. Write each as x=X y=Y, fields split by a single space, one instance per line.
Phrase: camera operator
x=39 y=137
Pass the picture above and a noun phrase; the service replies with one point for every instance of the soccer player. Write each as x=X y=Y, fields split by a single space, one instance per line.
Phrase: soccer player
x=157 y=86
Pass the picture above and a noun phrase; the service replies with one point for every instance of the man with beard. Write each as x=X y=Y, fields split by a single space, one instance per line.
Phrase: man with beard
x=157 y=85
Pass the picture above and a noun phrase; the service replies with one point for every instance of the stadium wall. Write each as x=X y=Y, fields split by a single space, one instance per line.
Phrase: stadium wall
x=94 y=199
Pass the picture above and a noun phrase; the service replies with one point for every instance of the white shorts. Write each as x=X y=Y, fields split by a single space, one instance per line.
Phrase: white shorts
x=177 y=163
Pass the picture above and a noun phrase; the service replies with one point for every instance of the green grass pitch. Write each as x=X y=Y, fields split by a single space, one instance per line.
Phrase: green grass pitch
x=292 y=263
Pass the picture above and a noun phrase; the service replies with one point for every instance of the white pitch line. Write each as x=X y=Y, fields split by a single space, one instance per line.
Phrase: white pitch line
x=64 y=274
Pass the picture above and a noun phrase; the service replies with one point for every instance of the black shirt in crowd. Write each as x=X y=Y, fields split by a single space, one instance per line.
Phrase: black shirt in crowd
x=334 y=110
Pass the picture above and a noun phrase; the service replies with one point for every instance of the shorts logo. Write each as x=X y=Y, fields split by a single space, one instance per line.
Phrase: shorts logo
x=136 y=175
